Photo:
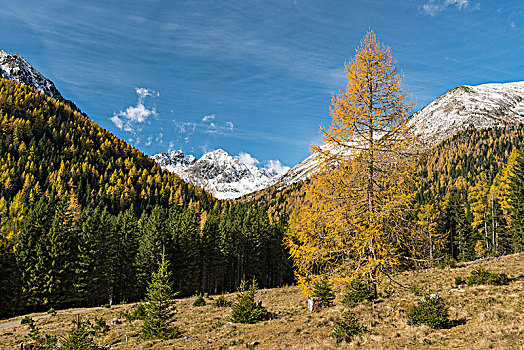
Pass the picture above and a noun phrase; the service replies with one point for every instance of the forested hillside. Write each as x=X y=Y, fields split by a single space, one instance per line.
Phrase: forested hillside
x=84 y=216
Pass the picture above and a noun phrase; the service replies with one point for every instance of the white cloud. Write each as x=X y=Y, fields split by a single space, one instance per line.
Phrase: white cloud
x=275 y=167
x=433 y=7
x=461 y=4
x=208 y=117
x=143 y=93
x=229 y=125
x=127 y=120
x=119 y=123
x=247 y=159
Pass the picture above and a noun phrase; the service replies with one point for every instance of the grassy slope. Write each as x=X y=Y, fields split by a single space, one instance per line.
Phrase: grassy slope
x=491 y=316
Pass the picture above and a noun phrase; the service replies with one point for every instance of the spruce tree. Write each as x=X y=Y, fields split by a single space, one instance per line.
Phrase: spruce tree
x=159 y=304
x=245 y=309
x=516 y=201
x=322 y=289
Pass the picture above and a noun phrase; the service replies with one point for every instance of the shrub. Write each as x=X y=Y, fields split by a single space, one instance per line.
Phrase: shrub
x=357 y=293
x=322 y=289
x=431 y=310
x=246 y=310
x=100 y=325
x=222 y=302
x=480 y=275
x=199 y=301
x=347 y=327
x=139 y=313
x=452 y=263
x=52 y=312
x=39 y=340
x=459 y=280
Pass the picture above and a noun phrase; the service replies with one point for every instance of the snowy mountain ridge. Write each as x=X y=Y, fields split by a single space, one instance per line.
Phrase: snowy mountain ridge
x=481 y=106
x=218 y=172
x=15 y=67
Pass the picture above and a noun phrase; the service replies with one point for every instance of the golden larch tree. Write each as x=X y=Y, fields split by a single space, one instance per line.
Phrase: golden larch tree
x=352 y=223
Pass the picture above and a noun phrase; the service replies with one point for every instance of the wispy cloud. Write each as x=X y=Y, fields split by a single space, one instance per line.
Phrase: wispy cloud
x=214 y=128
x=208 y=117
x=129 y=119
x=209 y=124
x=434 y=7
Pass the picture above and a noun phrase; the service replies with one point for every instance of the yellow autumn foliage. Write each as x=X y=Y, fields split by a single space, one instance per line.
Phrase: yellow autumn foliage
x=353 y=221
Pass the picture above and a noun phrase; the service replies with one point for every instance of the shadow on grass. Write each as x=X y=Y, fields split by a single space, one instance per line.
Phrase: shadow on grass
x=455 y=323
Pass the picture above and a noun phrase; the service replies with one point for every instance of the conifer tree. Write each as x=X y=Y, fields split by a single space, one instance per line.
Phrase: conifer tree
x=125 y=269
x=159 y=305
x=32 y=256
x=154 y=235
x=245 y=309
x=352 y=223
x=516 y=201
x=62 y=240
x=480 y=208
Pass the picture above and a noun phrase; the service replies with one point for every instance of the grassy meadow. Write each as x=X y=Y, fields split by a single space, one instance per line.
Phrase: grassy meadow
x=483 y=317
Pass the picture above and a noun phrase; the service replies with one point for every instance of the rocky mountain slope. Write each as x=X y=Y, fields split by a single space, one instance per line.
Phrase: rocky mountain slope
x=218 y=172
x=15 y=67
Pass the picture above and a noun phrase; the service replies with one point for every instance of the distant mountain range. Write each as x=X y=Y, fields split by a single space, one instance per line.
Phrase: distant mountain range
x=227 y=177
x=218 y=172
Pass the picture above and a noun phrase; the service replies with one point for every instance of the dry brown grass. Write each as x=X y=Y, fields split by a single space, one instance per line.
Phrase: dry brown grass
x=487 y=317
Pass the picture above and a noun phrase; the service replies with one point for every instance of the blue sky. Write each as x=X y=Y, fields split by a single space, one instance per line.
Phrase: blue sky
x=251 y=77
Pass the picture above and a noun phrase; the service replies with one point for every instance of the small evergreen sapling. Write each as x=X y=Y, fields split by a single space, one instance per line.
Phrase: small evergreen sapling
x=246 y=310
x=357 y=293
x=347 y=327
x=322 y=289
x=481 y=275
x=40 y=341
x=222 y=302
x=78 y=338
x=159 y=305
x=200 y=301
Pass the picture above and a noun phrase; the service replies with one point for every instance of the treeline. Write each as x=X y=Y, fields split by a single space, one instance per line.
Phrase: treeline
x=67 y=256
x=84 y=216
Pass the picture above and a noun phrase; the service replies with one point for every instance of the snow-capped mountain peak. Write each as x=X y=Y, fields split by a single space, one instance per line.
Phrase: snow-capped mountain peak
x=225 y=176
x=480 y=106
x=16 y=68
